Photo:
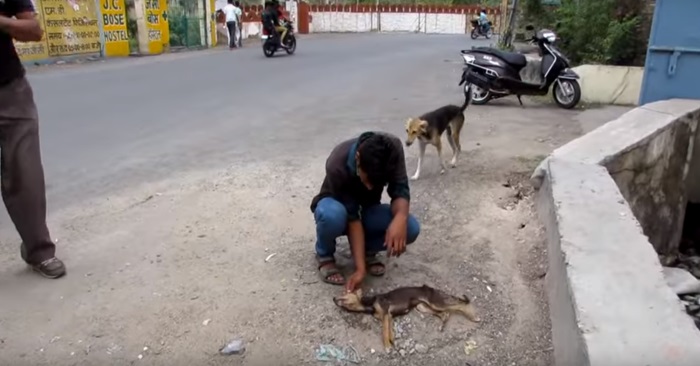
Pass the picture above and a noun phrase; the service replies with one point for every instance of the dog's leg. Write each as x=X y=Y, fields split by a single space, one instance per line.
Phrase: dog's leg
x=465 y=309
x=457 y=125
x=426 y=309
x=438 y=145
x=421 y=154
x=444 y=316
x=387 y=332
x=451 y=140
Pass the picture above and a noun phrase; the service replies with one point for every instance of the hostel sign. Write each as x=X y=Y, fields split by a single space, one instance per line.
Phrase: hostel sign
x=115 y=28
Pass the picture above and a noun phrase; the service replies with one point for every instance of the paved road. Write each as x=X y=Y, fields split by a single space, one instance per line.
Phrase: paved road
x=109 y=126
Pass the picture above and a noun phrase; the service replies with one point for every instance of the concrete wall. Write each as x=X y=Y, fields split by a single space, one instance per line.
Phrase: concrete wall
x=602 y=84
x=327 y=21
x=601 y=198
x=693 y=180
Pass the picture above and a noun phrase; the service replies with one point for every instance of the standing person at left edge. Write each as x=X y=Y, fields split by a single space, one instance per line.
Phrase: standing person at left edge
x=22 y=173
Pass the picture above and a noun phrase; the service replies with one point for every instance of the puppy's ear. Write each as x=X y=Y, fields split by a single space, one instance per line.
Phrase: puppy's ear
x=358 y=292
x=423 y=124
x=466 y=299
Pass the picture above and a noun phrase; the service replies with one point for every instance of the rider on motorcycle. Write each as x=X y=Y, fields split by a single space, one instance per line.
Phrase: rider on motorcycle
x=271 y=20
x=483 y=21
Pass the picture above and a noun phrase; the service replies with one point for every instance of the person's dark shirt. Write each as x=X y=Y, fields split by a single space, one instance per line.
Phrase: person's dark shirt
x=10 y=65
x=343 y=184
x=270 y=18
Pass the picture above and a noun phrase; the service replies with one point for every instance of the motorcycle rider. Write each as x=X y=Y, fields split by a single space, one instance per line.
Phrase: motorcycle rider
x=483 y=21
x=271 y=21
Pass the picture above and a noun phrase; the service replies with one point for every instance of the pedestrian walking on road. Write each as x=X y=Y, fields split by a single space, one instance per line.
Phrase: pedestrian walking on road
x=233 y=14
x=22 y=173
x=240 y=24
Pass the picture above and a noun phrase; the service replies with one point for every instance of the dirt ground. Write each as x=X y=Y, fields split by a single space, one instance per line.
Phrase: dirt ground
x=168 y=272
x=182 y=270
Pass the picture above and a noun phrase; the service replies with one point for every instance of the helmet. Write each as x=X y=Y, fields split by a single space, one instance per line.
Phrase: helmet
x=483 y=10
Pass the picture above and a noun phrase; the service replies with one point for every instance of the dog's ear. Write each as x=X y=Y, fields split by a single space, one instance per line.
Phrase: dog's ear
x=358 y=292
x=423 y=124
x=466 y=299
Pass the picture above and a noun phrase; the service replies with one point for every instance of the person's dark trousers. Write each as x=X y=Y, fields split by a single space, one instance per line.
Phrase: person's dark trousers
x=231 y=26
x=21 y=170
x=240 y=35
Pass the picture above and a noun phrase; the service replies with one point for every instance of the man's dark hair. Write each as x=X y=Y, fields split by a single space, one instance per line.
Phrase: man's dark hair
x=237 y=3
x=377 y=155
x=230 y=2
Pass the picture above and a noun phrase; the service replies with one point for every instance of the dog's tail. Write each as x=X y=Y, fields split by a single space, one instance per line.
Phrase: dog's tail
x=467 y=100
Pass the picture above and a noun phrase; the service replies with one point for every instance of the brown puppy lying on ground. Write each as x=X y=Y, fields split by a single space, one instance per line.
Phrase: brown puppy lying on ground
x=428 y=129
x=400 y=301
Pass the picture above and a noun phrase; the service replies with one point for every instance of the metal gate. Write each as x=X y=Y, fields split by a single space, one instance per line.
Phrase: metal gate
x=673 y=56
x=189 y=25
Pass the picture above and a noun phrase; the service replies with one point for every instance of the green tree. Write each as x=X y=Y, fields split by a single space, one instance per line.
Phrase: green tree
x=602 y=31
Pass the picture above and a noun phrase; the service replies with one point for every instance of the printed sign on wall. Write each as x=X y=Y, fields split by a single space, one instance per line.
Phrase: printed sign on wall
x=115 y=28
x=71 y=27
x=157 y=24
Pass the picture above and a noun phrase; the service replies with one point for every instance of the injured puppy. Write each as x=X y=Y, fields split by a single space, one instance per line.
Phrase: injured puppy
x=401 y=301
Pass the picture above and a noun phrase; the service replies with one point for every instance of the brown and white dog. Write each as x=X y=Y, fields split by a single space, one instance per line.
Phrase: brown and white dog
x=401 y=301
x=428 y=129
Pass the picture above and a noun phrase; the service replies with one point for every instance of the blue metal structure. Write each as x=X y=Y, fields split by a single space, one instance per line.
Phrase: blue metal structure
x=672 y=68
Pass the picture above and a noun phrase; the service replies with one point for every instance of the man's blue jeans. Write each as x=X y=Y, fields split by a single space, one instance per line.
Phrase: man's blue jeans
x=332 y=220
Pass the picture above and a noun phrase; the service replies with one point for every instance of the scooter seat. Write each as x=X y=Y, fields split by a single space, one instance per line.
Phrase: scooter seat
x=512 y=58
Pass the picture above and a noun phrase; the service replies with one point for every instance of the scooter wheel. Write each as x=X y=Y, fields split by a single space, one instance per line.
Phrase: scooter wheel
x=489 y=34
x=479 y=96
x=568 y=96
x=474 y=34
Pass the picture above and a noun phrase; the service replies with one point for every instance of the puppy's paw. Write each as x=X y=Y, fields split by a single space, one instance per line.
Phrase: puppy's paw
x=414 y=177
x=453 y=164
x=442 y=171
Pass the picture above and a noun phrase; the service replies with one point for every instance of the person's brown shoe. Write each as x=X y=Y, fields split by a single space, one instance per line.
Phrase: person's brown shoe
x=50 y=268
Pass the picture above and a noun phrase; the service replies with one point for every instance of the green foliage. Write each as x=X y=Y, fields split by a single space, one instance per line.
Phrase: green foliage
x=535 y=13
x=601 y=31
x=184 y=30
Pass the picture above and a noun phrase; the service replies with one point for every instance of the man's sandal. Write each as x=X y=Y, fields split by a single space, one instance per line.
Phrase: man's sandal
x=328 y=269
x=375 y=267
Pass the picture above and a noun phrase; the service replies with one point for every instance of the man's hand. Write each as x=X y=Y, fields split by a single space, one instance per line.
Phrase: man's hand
x=25 y=28
x=355 y=281
x=395 y=240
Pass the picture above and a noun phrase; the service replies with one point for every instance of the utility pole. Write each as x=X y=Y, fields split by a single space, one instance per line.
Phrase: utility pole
x=507 y=39
x=504 y=16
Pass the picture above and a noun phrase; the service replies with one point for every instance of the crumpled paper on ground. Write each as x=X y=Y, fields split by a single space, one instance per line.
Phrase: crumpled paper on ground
x=331 y=353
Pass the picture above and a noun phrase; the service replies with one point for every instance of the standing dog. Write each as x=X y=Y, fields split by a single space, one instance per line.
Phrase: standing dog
x=428 y=129
x=400 y=301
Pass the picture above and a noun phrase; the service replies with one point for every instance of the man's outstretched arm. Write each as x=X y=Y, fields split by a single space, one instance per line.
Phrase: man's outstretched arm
x=24 y=27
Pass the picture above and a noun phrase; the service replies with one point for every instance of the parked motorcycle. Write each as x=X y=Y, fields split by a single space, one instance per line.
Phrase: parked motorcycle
x=271 y=45
x=491 y=73
x=478 y=31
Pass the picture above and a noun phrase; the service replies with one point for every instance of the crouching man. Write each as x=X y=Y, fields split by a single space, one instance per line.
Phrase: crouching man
x=349 y=203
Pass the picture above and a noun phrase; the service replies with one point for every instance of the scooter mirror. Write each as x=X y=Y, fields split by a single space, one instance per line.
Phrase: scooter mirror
x=529 y=27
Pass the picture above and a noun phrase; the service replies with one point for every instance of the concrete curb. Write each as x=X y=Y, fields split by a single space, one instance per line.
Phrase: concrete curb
x=598 y=200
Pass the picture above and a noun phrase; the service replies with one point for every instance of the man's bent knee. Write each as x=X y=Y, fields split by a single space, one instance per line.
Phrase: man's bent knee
x=412 y=229
x=331 y=215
